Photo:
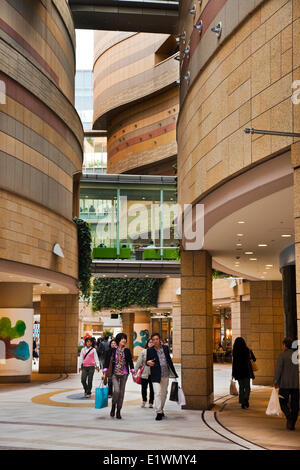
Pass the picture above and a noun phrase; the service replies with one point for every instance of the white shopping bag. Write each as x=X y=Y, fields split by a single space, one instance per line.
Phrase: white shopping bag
x=274 y=404
x=232 y=389
x=181 y=397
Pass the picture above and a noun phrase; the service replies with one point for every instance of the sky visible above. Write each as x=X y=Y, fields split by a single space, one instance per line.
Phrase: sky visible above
x=84 y=49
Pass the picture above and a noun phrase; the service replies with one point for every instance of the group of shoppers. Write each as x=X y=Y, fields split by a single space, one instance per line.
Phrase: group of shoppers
x=286 y=378
x=157 y=368
x=118 y=364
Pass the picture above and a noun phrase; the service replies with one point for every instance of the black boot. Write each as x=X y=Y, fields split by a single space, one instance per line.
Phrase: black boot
x=118 y=416
x=113 y=410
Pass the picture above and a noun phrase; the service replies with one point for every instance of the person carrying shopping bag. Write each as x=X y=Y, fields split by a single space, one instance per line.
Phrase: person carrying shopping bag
x=88 y=361
x=161 y=367
x=145 y=375
x=118 y=363
x=242 y=369
x=287 y=380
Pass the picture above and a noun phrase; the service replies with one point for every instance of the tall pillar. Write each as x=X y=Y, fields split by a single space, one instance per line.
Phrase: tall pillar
x=196 y=329
x=16 y=331
x=240 y=319
x=295 y=152
x=267 y=327
x=59 y=333
x=176 y=317
x=128 y=328
x=289 y=300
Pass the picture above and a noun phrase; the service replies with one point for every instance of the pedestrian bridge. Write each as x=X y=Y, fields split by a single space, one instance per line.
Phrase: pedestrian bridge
x=148 y=16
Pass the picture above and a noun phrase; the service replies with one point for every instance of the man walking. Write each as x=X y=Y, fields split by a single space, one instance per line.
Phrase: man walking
x=287 y=380
x=160 y=362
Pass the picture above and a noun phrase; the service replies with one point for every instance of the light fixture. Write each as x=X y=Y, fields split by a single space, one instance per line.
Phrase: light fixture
x=253 y=259
x=217 y=29
x=186 y=50
x=177 y=82
x=269 y=265
x=241 y=222
x=249 y=252
x=199 y=26
x=286 y=236
x=187 y=76
x=57 y=250
x=262 y=244
x=192 y=11
x=177 y=57
x=240 y=234
x=239 y=244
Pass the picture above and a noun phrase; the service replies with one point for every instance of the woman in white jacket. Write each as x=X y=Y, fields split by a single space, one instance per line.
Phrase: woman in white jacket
x=146 y=377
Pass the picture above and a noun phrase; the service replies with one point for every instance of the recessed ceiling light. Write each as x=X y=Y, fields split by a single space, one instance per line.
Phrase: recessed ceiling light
x=253 y=259
x=286 y=236
x=269 y=265
x=262 y=244
x=239 y=244
x=249 y=252
x=240 y=234
x=241 y=222
x=262 y=277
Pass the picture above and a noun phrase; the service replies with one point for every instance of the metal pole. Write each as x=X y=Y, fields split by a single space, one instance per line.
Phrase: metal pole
x=118 y=222
x=264 y=132
x=161 y=223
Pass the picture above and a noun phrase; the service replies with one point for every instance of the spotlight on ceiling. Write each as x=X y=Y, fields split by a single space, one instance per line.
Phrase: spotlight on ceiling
x=177 y=57
x=217 y=29
x=186 y=50
x=192 y=11
x=199 y=26
x=187 y=76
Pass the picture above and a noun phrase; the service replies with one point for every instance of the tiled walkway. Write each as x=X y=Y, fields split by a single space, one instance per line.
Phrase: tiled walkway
x=53 y=415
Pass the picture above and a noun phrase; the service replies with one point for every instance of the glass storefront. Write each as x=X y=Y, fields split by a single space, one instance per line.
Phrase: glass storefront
x=133 y=222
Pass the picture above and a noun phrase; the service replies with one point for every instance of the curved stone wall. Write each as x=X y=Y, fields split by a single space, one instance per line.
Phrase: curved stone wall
x=136 y=99
x=40 y=134
x=243 y=79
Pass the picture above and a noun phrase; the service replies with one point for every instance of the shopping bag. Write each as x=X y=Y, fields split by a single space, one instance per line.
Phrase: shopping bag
x=181 y=397
x=274 y=408
x=138 y=377
x=101 y=396
x=233 y=390
x=174 y=392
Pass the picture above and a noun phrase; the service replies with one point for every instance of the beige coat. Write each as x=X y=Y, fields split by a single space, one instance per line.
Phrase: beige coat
x=142 y=362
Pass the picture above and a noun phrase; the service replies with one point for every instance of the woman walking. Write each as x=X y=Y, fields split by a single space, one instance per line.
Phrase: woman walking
x=112 y=344
x=88 y=361
x=118 y=364
x=145 y=376
x=242 y=369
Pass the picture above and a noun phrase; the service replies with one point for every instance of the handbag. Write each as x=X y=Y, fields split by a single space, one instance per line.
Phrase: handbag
x=232 y=389
x=174 y=392
x=274 y=408
x=138 y=377
x=101 y=396
x=253 y=365
x=181 y=397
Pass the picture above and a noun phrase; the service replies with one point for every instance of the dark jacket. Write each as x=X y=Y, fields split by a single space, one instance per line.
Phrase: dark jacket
x=286 y=374
x=155 y=371
x=112 y=352
x=241 y=365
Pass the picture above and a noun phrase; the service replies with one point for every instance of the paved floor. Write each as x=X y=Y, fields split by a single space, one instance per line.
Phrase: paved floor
x=50 y=413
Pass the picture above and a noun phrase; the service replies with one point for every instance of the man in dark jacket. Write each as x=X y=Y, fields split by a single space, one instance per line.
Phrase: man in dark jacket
x=287 y=380
x=158 y=358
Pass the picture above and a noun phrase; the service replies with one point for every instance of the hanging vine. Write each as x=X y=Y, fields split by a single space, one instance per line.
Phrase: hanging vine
x=84 y=258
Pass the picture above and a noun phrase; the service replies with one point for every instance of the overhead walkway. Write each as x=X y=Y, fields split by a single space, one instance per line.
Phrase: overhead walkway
x=153 y=16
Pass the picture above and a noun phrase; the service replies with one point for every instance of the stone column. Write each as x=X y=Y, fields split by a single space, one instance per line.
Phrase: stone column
x=295 y=151
x=267 y=327
x=128 y=328
x=196 y=329
x=240 y=319
x=289 y=300
x=16 y=331
x=59 y=333
x=176 y=317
